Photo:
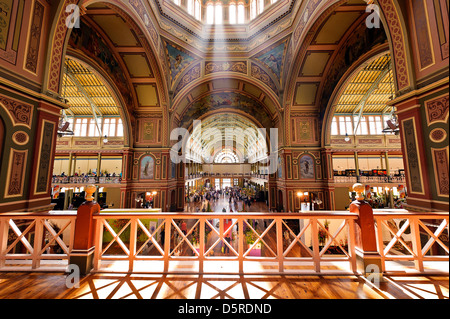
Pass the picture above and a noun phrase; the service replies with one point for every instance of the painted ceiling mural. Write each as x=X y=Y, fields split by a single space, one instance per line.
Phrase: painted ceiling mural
x=178 y=60
x=222 y=100
x=273 y=59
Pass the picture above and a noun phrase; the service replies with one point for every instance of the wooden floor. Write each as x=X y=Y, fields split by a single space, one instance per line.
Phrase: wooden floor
x=23 y=285
x=133 y=286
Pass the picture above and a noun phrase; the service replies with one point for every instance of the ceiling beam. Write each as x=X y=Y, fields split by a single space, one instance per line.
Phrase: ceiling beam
x=372 y=88
x=86 y=95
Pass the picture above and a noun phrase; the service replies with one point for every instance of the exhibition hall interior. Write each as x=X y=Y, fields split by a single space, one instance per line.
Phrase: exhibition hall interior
x=286 y=149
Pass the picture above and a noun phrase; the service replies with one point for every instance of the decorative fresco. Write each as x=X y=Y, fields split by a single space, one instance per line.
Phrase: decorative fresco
x=217 y=101
x=44 y=163
x=412 y=156
x=147 y=168
x=273 y=59
x=5 y=16
x=226 y=66
x=89 y=42
x=262 y=75
x=178 y=60
x=306 y=167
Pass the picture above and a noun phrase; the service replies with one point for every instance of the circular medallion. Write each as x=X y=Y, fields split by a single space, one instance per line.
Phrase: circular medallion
x=20 y=138
x=438 y=135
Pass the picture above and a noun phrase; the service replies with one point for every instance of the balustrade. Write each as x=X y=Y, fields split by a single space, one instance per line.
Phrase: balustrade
x=260 y=242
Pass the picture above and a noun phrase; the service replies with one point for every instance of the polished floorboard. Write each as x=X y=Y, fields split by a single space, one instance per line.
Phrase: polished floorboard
x=136 y=286
x=58 y=285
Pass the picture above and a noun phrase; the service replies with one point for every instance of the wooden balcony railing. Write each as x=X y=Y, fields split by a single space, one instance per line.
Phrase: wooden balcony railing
x=289 y=243
x=36 y=241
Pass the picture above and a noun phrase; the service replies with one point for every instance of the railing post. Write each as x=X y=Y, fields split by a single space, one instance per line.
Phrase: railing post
x=167 y=243
x=416 y=243
x=38 y=238
x=315 y=244
x=4 y=227
x=279 y=234
x=367 y=255
x=201 y=252
x=241 y=244
x=82 y=253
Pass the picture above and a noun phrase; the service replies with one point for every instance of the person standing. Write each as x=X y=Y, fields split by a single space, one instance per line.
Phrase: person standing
x=184 y=227
x=226 y=225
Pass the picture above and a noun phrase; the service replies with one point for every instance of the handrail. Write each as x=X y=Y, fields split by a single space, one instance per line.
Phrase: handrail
x=394 y=241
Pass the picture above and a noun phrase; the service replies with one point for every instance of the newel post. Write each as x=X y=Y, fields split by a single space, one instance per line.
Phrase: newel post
x=82 y=253
x=367 y=255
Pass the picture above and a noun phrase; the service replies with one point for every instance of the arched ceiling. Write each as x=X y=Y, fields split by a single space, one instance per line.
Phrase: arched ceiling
x=225 y=93
x=337 y=39
x=114 y=42
x=226 y=131
x=369 y=90
x=86 y=92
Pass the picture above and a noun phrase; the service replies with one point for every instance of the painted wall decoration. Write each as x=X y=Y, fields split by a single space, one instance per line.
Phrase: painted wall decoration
x=11 y=16
x=90 y=43
x=412 y=156
x=191 y=75
x=5 y=17
x=226 y=66
x=45 y=157
x=273 y=59
x=216 y=101
x=440 y=157
x=20 y=113
x=147 y=167
x=16 y=173
x=178 y=60
x=34 y=40
x=437 y=110
x=260 y=74
x=306 y=167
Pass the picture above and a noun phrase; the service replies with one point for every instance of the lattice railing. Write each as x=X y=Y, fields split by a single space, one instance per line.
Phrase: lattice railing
x=318 y=242
x=416 y=237
x=273 y=242
x=36 y=241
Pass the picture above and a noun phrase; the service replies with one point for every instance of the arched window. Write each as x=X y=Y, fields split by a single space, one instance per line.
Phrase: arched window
x=240 y=13
x=253 y=9
x=218 y=13
x=197 y=10
x=260 y=6
x=232 y=13
x=210 y=13
x=190 y=7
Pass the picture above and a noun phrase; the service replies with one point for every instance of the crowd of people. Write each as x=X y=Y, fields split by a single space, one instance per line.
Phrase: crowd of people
x=234 y=195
